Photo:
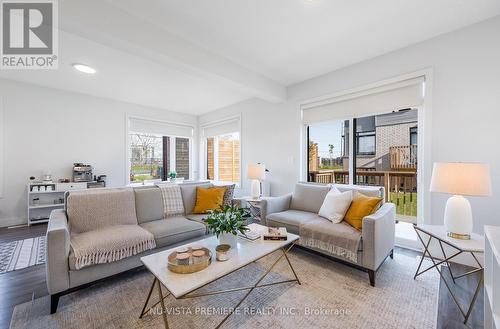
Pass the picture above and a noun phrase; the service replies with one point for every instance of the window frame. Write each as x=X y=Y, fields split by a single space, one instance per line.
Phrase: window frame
x=414 y=131
x=172 y=148
x=216 y=160
x=360 y=135
x=128 y=131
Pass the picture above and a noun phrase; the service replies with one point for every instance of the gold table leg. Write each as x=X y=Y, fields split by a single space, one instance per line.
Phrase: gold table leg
x=163 y=309
x=436 y=263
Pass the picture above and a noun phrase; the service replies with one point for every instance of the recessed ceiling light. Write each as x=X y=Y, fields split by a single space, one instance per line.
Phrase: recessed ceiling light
x=84 y=68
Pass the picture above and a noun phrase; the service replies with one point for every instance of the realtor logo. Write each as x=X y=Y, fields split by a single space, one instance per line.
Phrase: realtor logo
x=29 y=34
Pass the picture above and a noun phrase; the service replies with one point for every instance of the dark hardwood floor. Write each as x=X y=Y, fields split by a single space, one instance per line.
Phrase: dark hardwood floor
x=449 y=317
x=18 y=287
x=21 y=286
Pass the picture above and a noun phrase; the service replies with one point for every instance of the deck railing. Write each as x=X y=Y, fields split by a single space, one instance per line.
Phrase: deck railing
x=400 y=186
x=403 y=157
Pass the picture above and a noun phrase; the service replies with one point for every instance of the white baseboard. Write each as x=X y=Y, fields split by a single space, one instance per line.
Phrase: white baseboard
x=12 y=221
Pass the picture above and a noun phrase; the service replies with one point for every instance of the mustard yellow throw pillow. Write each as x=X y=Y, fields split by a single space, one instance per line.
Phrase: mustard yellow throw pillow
x=208 y=199
x=361 y=206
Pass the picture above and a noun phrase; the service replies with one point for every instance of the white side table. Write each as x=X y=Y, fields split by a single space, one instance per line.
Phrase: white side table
x=253 y=205
x=427 y=233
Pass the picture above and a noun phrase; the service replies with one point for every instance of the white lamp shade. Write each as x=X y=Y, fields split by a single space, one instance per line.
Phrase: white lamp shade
x=256 y=171
x=460 y=178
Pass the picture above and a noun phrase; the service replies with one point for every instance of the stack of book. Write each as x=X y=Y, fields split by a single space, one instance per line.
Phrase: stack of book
x=251 y=235
x=275 y=233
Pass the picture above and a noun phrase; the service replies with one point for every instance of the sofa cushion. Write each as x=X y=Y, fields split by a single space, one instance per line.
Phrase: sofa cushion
x=173 y=229
x=369 y=191
x=172 y=200
x=335 y=205
x=361 y=207
x=291 y=219
x=93 y=209
x=188 y=191
x=228 y=194
x=109 y=244
x=200 y=218
x=308 y=197
x=207 y=199
x=148 y=204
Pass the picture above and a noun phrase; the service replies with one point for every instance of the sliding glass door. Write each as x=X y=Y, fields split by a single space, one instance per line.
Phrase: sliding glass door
x=386 y=155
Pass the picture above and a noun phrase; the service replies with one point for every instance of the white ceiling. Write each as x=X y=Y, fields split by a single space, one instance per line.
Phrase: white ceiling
x=294 y=40
x=125 y=77
x=195 y=56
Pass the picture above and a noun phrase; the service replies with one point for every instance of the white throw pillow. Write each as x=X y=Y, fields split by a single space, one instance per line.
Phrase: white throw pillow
x=335 y=205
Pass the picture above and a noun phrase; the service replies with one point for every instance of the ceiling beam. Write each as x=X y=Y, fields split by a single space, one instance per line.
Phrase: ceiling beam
x=105 y=23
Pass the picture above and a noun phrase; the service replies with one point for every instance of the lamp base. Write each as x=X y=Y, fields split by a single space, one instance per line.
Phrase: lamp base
x=458 y=217
x=255 y=189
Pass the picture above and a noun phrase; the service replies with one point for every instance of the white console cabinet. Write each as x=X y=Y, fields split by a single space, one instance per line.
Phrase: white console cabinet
x=45 y=197
x=492 y=278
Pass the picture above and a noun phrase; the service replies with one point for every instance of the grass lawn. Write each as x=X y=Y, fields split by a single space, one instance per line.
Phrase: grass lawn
x=410 y=209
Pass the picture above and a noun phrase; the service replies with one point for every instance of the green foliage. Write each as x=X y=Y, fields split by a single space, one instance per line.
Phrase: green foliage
x=172 y=174
x=228 y=219
x=403 y=206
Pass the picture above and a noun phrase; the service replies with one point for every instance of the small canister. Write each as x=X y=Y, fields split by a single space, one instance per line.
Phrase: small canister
x=183 y=258
x=198 y=256
x=222 y=252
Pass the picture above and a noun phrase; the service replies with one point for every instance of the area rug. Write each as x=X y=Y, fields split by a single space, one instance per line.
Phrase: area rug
x=331 y=296
x=16 y=255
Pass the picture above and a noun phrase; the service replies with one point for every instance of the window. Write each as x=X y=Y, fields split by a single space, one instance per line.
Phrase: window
x=156 y=148
x=365 y=143
x=146 y=161
x=151 y=157
x=365 y=136
x=413 y=135
x=223 y=158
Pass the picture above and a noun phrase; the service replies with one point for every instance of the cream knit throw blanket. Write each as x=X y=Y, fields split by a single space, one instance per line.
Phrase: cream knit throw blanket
x=103 y=226
x=341 y=240
x=110 y=244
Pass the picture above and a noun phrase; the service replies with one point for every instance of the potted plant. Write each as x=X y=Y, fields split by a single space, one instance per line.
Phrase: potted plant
x=172 y=175
x=226 y=222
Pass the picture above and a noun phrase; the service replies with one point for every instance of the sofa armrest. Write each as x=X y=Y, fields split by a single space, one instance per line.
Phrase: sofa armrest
x=270 y=205
x=57 y=252
x=378 y=236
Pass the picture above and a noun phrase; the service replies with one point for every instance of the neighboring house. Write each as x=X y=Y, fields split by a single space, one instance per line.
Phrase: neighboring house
x=381 y=138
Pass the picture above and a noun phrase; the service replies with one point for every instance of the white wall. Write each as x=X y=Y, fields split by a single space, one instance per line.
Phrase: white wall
x=465 y=111
x=49 y=129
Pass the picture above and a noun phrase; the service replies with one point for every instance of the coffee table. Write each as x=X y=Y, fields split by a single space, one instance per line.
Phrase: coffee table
x=182 y=286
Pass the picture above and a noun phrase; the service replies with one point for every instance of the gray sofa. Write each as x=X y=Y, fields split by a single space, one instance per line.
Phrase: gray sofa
x=62 y=275
x=302 y=206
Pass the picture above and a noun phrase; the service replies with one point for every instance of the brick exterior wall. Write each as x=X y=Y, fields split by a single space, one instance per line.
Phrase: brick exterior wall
x=386 y=136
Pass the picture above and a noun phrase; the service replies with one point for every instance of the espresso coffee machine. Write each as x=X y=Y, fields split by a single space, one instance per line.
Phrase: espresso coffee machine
x=82 y=172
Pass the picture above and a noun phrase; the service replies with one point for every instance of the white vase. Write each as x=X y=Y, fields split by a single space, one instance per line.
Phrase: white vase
x=228 y=238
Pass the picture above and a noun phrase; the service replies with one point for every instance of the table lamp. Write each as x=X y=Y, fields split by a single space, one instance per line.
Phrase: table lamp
x=459 y=179
x=257 y=173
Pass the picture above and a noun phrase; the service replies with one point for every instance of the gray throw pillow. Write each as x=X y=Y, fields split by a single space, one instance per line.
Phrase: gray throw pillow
x=228 y=195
